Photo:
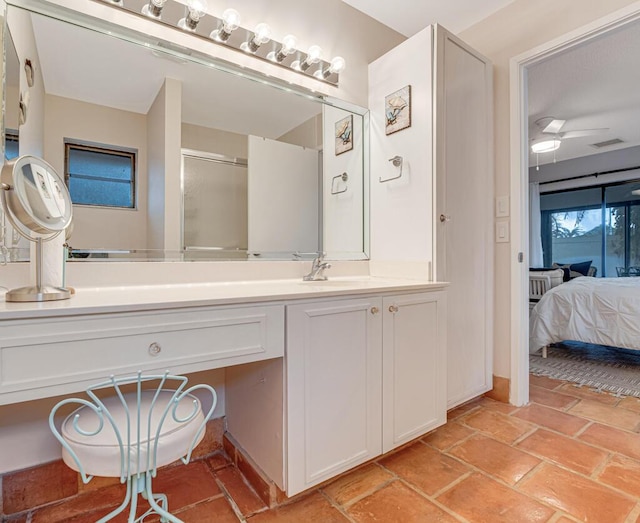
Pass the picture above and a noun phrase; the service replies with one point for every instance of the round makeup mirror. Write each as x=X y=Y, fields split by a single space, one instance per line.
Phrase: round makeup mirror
x=35 y=200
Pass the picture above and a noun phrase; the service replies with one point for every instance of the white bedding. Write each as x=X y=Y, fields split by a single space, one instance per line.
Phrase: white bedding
x=605 y=311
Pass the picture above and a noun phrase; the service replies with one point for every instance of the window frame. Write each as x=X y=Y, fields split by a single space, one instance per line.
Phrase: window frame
x=113 y=150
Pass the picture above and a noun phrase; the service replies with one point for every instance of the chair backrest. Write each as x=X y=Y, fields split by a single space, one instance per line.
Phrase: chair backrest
x=133 y=419
x=538 y=285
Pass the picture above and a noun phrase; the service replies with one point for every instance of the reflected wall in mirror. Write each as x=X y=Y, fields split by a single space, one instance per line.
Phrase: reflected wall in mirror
x=222 y=166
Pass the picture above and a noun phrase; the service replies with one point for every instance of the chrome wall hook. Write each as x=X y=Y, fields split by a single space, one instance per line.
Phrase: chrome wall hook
x=397 y=162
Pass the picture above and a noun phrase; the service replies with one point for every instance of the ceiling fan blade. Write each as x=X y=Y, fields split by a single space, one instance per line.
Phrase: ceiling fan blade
x=554 y=126
x=580 y=133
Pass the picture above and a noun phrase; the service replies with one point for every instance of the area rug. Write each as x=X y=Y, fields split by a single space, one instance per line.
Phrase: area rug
x=602 y=368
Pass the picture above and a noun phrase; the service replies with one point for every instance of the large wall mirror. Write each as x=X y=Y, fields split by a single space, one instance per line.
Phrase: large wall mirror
x=169 y=157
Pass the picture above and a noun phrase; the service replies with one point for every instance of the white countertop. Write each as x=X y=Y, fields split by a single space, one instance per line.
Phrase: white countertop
x=95 y=300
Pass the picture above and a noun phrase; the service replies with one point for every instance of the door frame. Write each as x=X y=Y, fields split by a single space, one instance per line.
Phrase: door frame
x=519 y=192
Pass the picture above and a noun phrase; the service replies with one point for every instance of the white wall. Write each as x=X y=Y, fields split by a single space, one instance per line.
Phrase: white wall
x=12 y=96
x=343 y=227
x=100 y=227
x=216 y=141
x=307 y=134
x=31 y=133
x=402 y=209
x=519 y=27
x=164 y=159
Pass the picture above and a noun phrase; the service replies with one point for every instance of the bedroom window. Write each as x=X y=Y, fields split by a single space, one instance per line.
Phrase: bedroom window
x=601 y=224
x=100 y=175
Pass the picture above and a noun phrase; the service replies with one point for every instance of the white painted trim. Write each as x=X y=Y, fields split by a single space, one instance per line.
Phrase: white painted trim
x=519 y=393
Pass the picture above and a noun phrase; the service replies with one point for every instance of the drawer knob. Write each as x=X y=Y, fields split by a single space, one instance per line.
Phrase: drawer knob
x=393 y=308
x=374 y=310
x=154 y=349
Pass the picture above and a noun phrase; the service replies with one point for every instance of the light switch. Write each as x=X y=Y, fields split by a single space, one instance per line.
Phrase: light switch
x=502 y=207
x=502 y=231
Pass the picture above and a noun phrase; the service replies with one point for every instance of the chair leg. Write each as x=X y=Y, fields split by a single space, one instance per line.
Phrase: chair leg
x=544 y=351
x=122 y=506
x=162 y=508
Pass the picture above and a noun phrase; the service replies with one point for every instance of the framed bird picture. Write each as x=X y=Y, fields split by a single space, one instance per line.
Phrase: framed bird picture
x=397 y=110
x=344 y=135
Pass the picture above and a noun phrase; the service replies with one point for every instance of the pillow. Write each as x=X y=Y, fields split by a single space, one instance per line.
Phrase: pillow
x=582 y=268
x=573 y=270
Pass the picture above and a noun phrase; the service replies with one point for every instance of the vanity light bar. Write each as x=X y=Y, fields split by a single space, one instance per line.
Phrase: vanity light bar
x=227 y=31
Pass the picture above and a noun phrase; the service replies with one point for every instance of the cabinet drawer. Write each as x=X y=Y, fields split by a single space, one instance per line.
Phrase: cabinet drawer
x=46 y=357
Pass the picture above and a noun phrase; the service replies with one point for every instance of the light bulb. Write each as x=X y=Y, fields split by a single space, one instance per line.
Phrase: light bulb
x=261 y=35
x=230 y=22
x=289 y=45
x=314 y=54
x=338 y=65
x=196 y=10
x=154 y=8
x=545 y=146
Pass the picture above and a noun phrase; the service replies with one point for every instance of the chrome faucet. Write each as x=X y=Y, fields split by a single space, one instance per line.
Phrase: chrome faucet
x=317 y=268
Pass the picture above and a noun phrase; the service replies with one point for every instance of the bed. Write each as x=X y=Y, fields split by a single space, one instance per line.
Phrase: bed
x=604 y=311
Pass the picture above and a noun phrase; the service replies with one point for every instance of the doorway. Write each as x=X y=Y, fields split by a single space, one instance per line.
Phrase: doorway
x=520 y=190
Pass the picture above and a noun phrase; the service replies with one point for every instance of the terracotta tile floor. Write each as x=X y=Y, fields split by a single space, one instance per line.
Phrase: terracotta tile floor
x=572 y=455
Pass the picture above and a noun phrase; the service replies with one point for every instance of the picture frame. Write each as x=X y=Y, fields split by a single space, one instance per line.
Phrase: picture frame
x=344 y=134
x=397 y=110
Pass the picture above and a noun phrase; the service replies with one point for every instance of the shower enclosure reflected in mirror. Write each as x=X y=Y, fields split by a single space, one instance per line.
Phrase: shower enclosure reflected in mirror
x=152 y=138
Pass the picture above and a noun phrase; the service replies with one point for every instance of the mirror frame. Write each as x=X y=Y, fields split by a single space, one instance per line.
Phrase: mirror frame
x=163 y=45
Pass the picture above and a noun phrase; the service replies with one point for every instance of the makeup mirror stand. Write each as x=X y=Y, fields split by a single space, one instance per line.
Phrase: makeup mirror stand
x=26 y=213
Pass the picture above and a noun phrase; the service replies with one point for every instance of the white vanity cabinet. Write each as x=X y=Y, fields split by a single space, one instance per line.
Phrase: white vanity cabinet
x=414 y=388
x=363 y=376
x=58 y=355
x=334 y=388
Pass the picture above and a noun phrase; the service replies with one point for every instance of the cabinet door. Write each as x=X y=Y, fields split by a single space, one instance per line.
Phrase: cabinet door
x=464 y=200
x=334 y=366
x=414 y=366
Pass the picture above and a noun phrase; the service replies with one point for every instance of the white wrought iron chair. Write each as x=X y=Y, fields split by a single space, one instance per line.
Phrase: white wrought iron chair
x=150 y=421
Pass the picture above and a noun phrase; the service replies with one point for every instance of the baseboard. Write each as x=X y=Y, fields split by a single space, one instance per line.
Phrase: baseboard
x=500 y=391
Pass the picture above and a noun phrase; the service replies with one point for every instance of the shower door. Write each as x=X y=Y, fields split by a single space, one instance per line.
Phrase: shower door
x=214 y=210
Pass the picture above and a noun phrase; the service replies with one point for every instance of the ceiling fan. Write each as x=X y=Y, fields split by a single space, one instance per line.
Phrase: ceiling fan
x=551 y=136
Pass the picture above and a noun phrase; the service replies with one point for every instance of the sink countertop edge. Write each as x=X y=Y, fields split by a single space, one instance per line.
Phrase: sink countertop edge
x=101 y=300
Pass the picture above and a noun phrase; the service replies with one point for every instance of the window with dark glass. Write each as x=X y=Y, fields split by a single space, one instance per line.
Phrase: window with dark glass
x=100 y=175
x=601 y=224
x=11 y=150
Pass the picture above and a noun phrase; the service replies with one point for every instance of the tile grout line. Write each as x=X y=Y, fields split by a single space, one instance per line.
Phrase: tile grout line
x=340 y=508
x=230 y=500
x=432 y=498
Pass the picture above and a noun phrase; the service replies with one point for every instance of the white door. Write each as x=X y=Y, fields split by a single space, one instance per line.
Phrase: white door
x=284 y=197
x=334 y=365
x=464 y=212
x=414 y=366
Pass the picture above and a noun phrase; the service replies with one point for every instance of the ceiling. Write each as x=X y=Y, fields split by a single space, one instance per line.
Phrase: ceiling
x=594 y=85
x=410 y=16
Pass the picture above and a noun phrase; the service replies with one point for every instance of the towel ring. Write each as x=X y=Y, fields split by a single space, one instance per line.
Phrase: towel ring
x=344 y=177
x=397 y=162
